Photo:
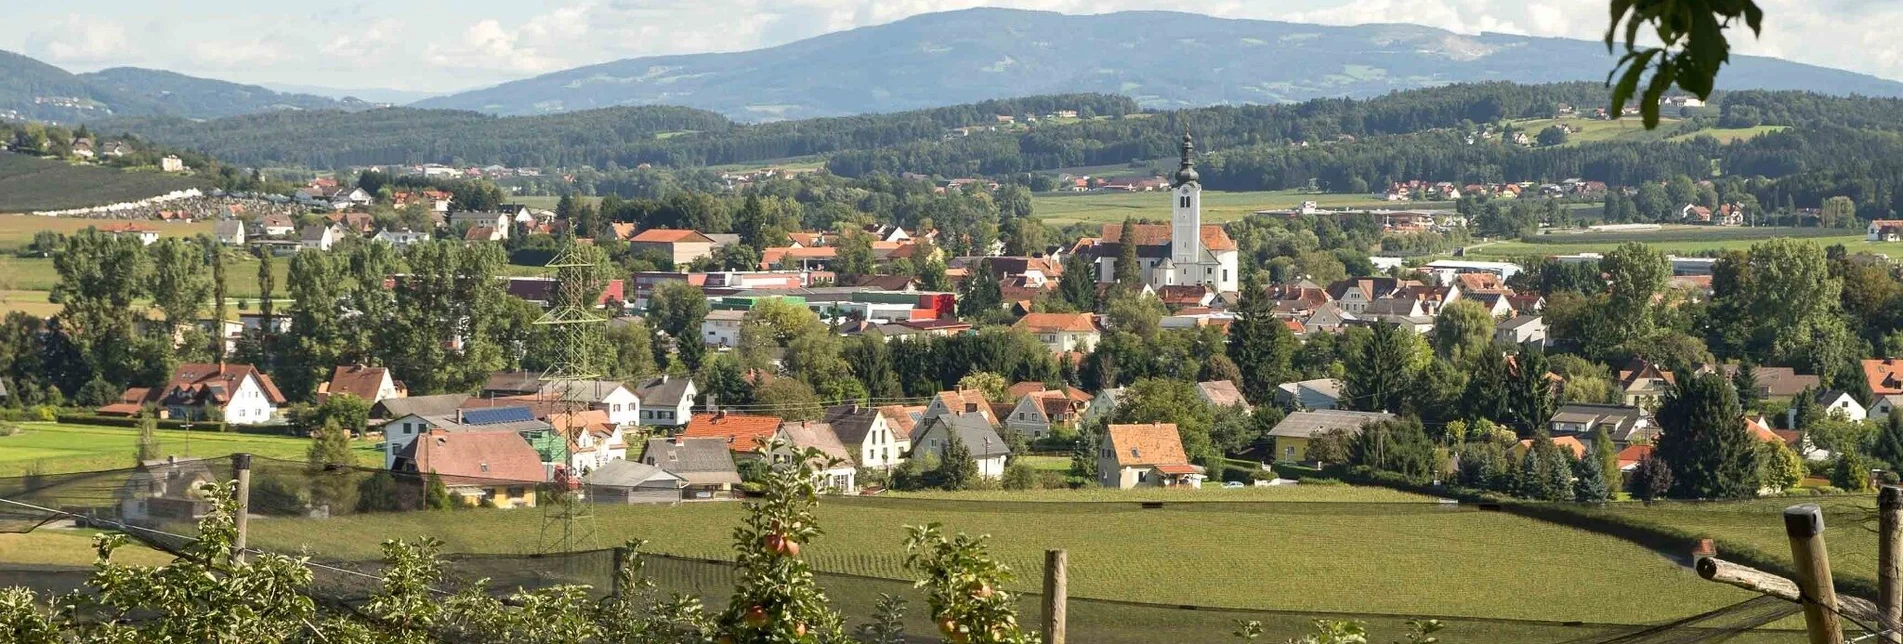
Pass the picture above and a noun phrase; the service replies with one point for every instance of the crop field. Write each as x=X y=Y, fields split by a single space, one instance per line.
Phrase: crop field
x=1681 y=240
x=1594 y=130
x=30 y=183
x=53 y=448
x=1061 y=209
x=1317 y=556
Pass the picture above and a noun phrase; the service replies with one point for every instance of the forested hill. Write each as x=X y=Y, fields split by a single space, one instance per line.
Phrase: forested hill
x=32 y=89
x=1161 y=59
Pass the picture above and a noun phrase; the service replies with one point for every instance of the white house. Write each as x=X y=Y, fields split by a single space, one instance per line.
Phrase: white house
x=320 y=237
x=1521 y=330
x=622 y=406
x=722 y=328
x=230 y=232
x=1104 y=404
x=666 y=401
x=1037 y=412
x=276 y=225
x=235 y=394
x=1884 y=230
x=1145 y=456
x=1834 y=402
x=399 y=432
x=171 y=163
x=369 y=384
x=1320 y=393
x=974 y=430
x=594 y=440
x=868 y=435
x=1063 y=332
x=401 y=237
x=496 y=221
x=146 y=235
x=838 y=477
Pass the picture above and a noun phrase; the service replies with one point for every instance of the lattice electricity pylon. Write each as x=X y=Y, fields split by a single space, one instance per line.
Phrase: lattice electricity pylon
x=568 y=518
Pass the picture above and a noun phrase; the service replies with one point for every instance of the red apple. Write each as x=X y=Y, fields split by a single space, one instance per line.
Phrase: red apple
x=948 y=626
x=755 y=617
x=980 y=590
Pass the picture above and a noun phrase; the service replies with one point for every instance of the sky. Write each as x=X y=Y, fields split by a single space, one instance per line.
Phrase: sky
x=441 y=46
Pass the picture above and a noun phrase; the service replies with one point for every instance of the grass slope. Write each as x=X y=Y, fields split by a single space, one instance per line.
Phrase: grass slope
x=61 y=447
x=1060 y=209
x=30 y=183
x=1285 y=556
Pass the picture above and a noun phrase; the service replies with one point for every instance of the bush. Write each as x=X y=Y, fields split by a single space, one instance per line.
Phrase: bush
x=8 y=428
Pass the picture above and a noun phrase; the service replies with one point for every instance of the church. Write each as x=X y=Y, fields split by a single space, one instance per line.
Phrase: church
x=1184 y=252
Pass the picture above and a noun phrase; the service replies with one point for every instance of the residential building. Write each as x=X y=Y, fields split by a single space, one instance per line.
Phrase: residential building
x=1833 y=402
x=741 y=433
x=479 y=468
x=867 y=434
x=171 y=163
x=518 y=421
x=1885 y=376
x=1884 y=230
x=235 y=394
x=1884 y=405
x=1521 y=330
x=1320 y=393
x=497 y=223
x=401 y=237
x=1774 y=383
x=1293 y=434
x=167 y=489
x=276 y=225
x=593 y=440
x=1183 y=252
x=616 y=400
x=1062 y=332
x=903 y=421
x=632 y=482
x=962 y=401
x=684 y=246
x=511 y=383
x=320 y=236
x=704 y=465
x=1223 y=393
x=974 y=430
x=1145 y=456
x=722 y=328
x=1037 y=413
x=838 y=471
x=1568 y=443
x=369 y=384
x=485 y=234
x=1643 y=383
x=229 y=232
x=146 y=235
x=1623 y=424
x=666 y=401
x=1103 y=404
x=436 y=405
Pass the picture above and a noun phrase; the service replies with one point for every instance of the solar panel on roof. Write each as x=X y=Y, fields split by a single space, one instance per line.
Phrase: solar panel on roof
x=495 y=415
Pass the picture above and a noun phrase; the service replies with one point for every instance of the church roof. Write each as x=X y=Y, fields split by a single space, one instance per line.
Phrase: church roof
x=1214 y=237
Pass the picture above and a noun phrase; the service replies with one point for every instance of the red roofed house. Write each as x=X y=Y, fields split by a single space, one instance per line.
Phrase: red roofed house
x=499 y=468
x=371 y=384
x=1568 y=443
x=685 y=246
x=1885 y=376
x=1183 y=252
x=741 y=431
x=1063 y=331
x=1145 y=456
x=236 y=394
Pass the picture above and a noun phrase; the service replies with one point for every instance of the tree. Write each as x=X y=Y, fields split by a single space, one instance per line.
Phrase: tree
x=1258 y=339
x=631 y=347
x=957 y=470
x=1128 y=275
x=180 y=283
x=1635 y=273
x=1837 y=212
x=777 y=598
x=1329 y=447
x=1462 y=331
x=330 y=446
x=1691 y=47
x=148 y=449
x=1779 y=466
x=1018 y=474
x=1552 y=135
x=1078 y=285
x=994 y=386
x=436 y=494
x=1745 y=381
x=788 y=398
x=1705 y=443
x=983 y=295
x=267 y=286
x=1651 y=479
x=1530 y=394
x=854 y=258
x=1888 y=447
x=1589 y=483
x=1851 y=472
x=1161 y=400
x=218 y=286
x=1399 y=446
x=1083 y=457
x=1380 y=369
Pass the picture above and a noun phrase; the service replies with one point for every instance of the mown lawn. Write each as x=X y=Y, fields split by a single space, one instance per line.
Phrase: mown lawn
x=62 y=547
x=1356 y=557
x=17 y=231
x=53 y=448
x=1849 y=526
x=38 y=274
x=1060 y=209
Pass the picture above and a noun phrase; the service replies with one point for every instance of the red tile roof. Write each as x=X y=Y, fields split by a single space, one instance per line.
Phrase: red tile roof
x=478 y=455
x=1058 y=322
x=1885 y=376
x=357 y=380
x=664 y=235
x=742 y=432
x=213 y=382
x=1151 y=444
x=1214 y=237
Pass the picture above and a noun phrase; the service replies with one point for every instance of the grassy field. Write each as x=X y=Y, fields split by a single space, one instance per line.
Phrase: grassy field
x=17 y=230
x=1291 y=556
x=1209 y=493
x=38 y=274
x=70 y=548
x=59 y=447
x=1594 y=130
x=1849 y=526
x=1061 y=209
x=1732 y=134
x=1676 y=241
x=30 y=183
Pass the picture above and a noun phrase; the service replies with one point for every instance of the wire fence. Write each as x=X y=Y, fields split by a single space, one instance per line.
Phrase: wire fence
x=160 y=503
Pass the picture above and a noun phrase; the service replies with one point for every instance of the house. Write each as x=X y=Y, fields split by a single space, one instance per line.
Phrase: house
x=1222 y=393
x=498 y=224
x=1884 y=404
x=1037 y=413
x=83 y=148
x=164 y=490
x=837 y=472
x=1623 y=424
x=171 y=163
x=666 y=401
x=229 y=232
x=1103 y=404
x=616 y=400
x=1884 y=230
x=1779 y=383
x=684 y=246
x=1062 y=332
x=722 y=328
x=369 y=384
x=485 y=234
x=593 y=440
x=235 y=394
x=974 y=430
x=511 y=383
x=320 y=236
x=115 y=149
x=518 y=421
x=1521 y=330
x=1832 y=402
x=436 y=405
x=704 y=465
x=1320 y=393
x=276 y=225
x=1293 y=434
x=1884 y=375
x=401 y=237
x=1145 y=456
x=962 y=401
x=632 y=482
x=868 y=434
x=1182 y=252
x=1567 y=443
x=480 y=468
x=1643 y=383
x=741 y=433
x=146 y=235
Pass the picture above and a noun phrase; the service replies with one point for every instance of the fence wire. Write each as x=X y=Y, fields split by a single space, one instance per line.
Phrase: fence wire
x=158 y=505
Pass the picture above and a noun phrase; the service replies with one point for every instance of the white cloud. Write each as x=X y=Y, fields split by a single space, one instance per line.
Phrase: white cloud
x=234 y=54
x=80 y=40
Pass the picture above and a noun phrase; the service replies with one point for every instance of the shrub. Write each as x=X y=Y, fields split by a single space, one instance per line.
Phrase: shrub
x=8 y=428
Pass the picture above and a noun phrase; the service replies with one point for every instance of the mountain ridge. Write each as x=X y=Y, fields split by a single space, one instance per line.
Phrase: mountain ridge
x=1163 y=59
x=36 y=90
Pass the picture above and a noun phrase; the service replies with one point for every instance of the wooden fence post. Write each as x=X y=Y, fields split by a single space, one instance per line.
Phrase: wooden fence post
x=1804 y=524
x=241 y=463
x=1890 y=559
x=1056 y=595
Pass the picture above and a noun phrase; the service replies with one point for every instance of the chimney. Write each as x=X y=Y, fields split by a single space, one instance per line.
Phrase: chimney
x=971 y=407
x=459 y=415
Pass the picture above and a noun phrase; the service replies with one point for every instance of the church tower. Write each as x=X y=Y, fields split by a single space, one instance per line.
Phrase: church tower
x=1186 y=217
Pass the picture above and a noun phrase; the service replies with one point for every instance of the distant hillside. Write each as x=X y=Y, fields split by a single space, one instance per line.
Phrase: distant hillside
x=1162 y=59
x=30 y=89
x=29 y=183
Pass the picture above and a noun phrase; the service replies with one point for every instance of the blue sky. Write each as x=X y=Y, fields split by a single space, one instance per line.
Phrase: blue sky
x=447 y=45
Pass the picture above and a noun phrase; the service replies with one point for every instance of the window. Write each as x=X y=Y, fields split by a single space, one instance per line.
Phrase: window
x=515 y=492
x=1289 y=452
x=1143 y=476
x=1184 y=202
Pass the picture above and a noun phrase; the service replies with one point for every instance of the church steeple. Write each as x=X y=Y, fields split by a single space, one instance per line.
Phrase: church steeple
x=1187 y=173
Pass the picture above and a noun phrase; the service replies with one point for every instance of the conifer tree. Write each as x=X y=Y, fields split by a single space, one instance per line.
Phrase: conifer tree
x=1589 y=483
x=1129 y=276
x=1704 y=441
x=1889 y=443
x=1260 y=340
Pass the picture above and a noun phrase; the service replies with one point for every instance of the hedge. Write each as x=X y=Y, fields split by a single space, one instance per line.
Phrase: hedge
x=163 y=423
